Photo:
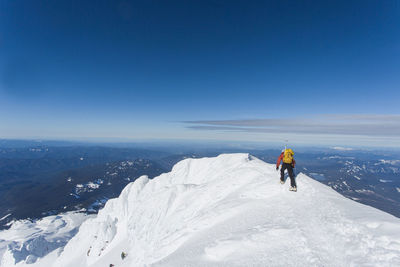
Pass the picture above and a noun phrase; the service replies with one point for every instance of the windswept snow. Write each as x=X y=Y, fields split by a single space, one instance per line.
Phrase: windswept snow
x=231 y=211
x=26 y=241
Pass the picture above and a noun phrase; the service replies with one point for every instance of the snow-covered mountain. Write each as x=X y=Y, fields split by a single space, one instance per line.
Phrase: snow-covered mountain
x=27 y=241
x=227 y=211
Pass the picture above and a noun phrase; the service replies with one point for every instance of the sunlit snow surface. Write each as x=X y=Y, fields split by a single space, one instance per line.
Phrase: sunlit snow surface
x=28 y=241
x=230 y=211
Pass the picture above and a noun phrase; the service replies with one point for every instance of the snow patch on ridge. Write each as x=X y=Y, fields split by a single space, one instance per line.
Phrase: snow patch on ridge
x=5 y=216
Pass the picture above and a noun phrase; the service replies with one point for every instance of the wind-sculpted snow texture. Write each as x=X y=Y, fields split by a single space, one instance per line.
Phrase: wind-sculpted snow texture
x=232 y=211
x=28 y=241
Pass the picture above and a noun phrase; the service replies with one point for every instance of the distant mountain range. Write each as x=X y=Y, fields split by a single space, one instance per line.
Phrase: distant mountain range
x=38 y=180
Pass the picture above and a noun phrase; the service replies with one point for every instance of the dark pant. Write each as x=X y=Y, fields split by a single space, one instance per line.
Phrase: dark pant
x=289 y=168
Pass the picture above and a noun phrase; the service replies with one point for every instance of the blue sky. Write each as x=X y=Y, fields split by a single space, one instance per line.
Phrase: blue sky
x=181 y=69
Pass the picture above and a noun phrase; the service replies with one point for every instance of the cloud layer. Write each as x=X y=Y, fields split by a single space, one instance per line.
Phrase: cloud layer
x=348 y=124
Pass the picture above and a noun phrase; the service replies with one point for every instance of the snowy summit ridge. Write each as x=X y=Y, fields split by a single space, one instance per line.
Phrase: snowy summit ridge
x=229 y=210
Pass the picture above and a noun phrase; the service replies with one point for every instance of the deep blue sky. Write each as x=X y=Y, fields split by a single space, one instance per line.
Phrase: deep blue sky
x=137 y=69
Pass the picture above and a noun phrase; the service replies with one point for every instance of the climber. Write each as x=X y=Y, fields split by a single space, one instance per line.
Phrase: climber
x=288 y=164
x=123 y=255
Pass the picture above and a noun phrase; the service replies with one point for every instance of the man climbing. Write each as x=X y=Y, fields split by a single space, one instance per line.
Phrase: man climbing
x=288 y=164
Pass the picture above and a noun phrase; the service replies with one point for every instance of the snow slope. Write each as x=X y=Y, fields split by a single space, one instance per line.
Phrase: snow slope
x=27 y=241
x=231 y=211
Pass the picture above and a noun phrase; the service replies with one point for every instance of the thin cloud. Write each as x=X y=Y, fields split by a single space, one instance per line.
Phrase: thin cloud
x=348 y=124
